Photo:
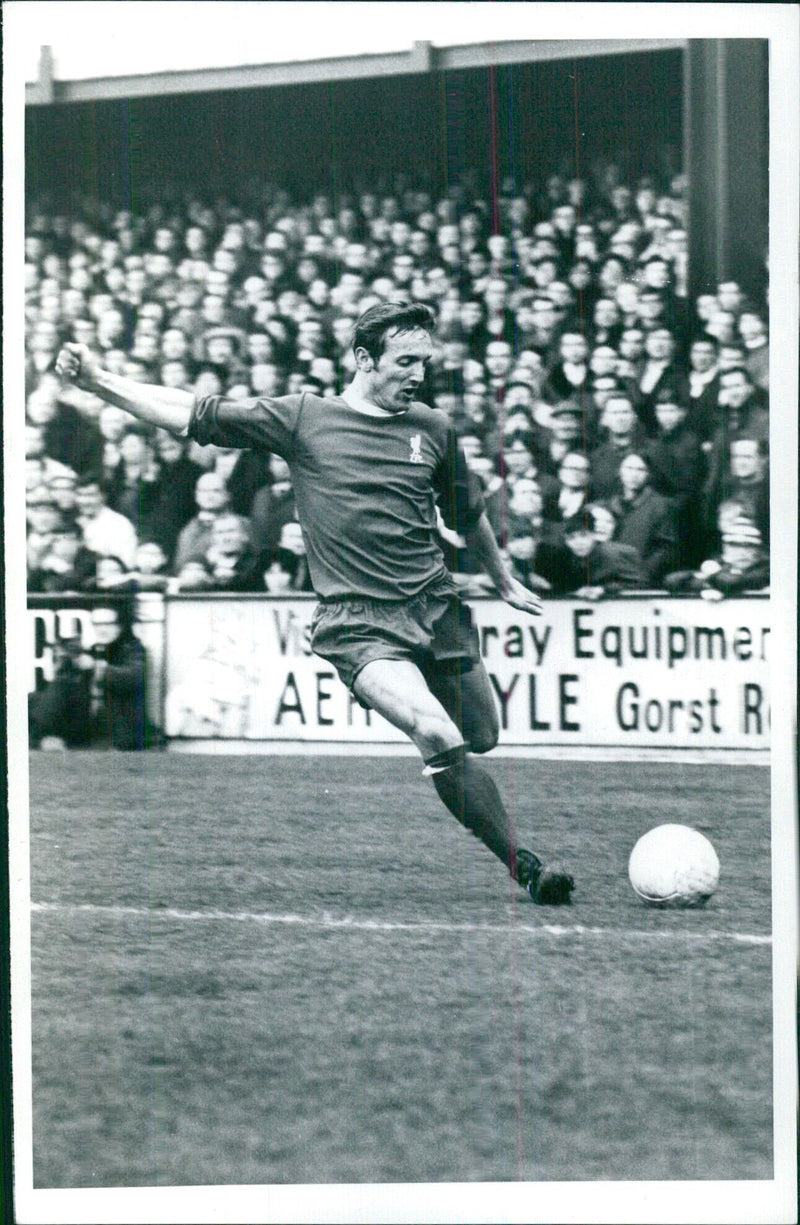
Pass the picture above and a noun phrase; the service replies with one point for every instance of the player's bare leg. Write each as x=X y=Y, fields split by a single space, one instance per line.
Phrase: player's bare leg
x=398 y=691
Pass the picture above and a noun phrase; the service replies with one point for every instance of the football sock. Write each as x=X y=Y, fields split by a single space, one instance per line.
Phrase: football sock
x=472 y=797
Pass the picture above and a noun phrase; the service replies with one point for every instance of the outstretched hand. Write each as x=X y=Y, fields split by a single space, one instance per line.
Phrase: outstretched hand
x=77 y=364
x=518 y=596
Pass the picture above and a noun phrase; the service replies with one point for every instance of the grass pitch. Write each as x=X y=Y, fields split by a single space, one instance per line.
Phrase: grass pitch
x=302 y=970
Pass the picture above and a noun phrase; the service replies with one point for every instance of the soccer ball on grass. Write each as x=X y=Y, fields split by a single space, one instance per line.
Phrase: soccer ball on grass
x=673 y=865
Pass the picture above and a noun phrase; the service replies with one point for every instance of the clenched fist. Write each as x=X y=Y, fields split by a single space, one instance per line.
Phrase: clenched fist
x=76 y=364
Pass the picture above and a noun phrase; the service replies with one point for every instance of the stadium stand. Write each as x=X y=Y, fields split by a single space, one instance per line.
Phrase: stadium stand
x=565 y=337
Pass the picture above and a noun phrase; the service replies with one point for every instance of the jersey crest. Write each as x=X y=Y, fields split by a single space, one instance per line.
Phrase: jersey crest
x=416 y=449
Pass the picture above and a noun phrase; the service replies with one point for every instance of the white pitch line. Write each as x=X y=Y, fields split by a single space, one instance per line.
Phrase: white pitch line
x=347 y=922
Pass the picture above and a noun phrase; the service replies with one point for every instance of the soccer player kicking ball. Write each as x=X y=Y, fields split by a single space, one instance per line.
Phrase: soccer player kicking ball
x=368 y=469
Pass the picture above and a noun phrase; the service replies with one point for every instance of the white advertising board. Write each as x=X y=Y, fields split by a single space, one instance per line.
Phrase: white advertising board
x=640 y=673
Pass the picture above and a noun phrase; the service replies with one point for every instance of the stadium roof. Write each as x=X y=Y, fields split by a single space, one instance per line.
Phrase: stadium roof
x=140 y=47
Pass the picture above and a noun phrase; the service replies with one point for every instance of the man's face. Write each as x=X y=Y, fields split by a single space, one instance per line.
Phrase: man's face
x=111 y=326
x=169 y=448
x=564 y=218
x=105 y=624
x=476 y=264
x=702 y=357
x=496 y=295
x=526 y=499
x=573 y=472
x=619 y=417
x=745 y=459
x=603 y=387
x=656 y=273
x=42 y=407
x=150 y=558
x=605 y=313
x=604 y=523
x=133 y=449
x=470 y=315
x=659 y=345
x=627 y=297
x=633 y=473
x=729 y=296
x=402 y=269
x=517 y=457
x=174 y=345
x=730 y=356
x=174 y=374
x=518 y=397
x=604 y=361
x=544 y=314
x=219 y=349
x=734 y=391
x=228 y=535
x=395 y=379
x=210 y=493
x=498 y=358
x=651 y=306
x=566 y=426
x=573 y=347
x=751 y=326
x=145 y=347
x=722 y=325
x=560 y=295
x=89 y=500
x=580 y=543
x=669 y=416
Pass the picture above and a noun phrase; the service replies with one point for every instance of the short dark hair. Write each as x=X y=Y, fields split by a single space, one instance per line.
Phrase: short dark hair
x=371 y=327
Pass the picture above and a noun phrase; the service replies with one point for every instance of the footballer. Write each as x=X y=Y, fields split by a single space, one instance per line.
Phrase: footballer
x=369 y=468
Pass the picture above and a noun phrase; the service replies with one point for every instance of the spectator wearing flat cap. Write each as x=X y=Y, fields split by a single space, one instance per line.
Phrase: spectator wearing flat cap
x=568 y=428
x=740 y=564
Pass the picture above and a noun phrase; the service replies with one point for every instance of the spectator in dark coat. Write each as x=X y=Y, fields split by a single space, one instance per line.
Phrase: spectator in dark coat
x=175 y=498
x=588 y=565
x=625 y=435
x=677 y=466
x=231 y=562
x=739 y=415
x=660 y=373
x=571 y=427
x=741 y=564
x=212 y=499
x=272 y=507
x=119 y=692
x=69 y=437
x=703 y=387
x=569 y=500
x=754 y=334
x=645 y=519
x=133 y=488
x=568 y=377
x=66 y=565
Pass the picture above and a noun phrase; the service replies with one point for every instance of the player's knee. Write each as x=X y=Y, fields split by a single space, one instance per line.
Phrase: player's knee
x=484 y=738
x=434 y=733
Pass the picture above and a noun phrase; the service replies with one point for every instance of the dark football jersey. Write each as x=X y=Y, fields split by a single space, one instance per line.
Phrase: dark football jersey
x=366 y=488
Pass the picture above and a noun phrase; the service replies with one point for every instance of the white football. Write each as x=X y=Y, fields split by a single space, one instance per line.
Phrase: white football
x=674 y=865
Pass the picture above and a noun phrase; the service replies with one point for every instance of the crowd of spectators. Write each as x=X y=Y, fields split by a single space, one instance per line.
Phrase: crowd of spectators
x=618 y=428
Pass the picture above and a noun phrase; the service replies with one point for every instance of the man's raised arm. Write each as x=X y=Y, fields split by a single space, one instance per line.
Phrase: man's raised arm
x=167 y=407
